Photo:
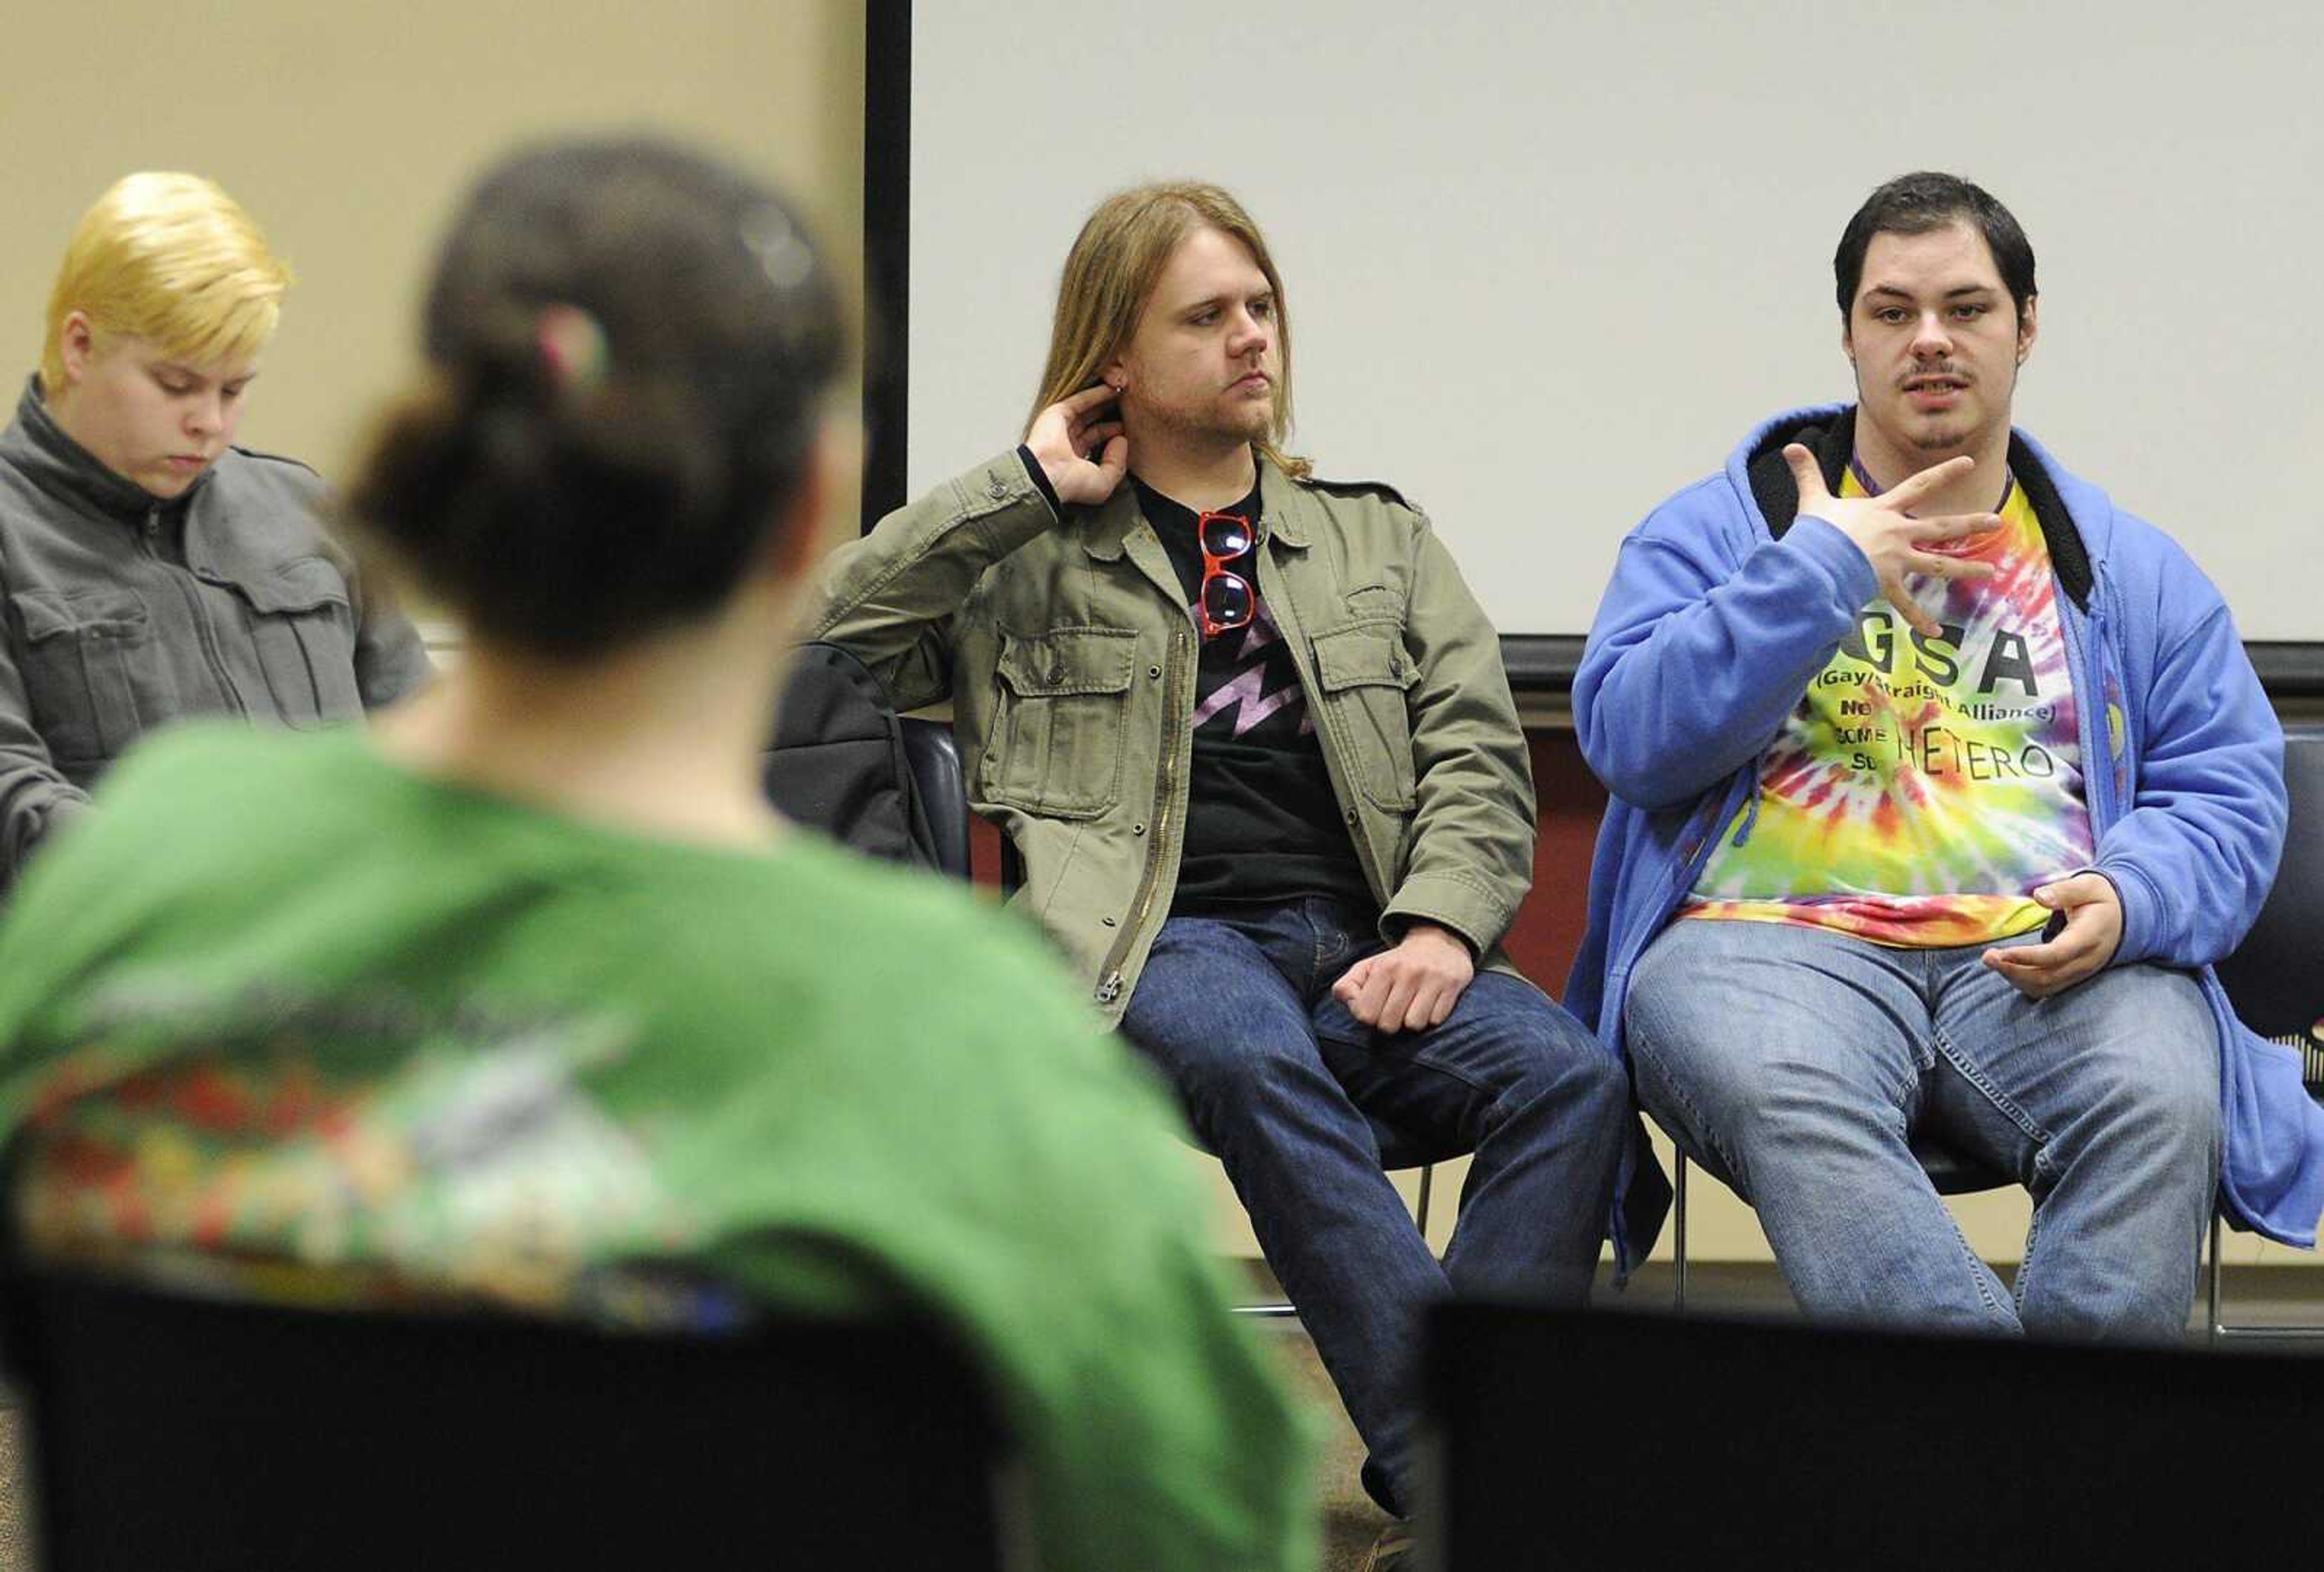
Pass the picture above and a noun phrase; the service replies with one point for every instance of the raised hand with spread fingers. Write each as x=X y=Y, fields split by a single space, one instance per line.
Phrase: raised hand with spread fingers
x=1884 y=528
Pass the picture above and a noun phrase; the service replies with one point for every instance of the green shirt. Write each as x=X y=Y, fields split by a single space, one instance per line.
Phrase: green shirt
x=290 y=1013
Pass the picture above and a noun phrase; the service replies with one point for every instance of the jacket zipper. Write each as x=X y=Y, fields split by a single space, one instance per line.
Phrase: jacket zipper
x=1347 y=791
x=2085 y=656
x=203 y=632
x=1108 y=985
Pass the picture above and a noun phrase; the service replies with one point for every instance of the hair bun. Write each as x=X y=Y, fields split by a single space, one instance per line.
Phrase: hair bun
x=630 y=352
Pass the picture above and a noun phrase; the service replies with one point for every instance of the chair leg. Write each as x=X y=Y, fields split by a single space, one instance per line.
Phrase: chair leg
x=2223 y=1333
x=2215 y=1265
x=1678 y=1243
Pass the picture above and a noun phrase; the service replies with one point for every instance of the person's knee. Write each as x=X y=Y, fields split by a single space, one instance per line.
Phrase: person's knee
x=1601 y=1088
x=1556 y=1059
x=1688 y=1051
x=1578 y=1083
x=2172 y=1122
x=1696 y=1079
x=2160 y=1091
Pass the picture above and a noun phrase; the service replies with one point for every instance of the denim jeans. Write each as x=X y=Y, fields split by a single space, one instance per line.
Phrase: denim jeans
x=1795 y=1063
x=1277 y=1079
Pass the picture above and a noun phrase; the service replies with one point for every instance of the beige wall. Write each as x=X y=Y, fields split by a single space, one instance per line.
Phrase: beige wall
x=351 y=130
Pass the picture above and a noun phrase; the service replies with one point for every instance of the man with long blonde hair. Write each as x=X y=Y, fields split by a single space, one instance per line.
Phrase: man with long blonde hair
x=151 y=569
x=1250 y=736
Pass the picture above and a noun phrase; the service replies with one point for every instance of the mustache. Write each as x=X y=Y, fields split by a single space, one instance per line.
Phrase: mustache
x=1923 y=373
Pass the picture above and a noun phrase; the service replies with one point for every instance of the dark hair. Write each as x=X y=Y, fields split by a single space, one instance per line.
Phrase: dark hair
x=1916 y=204
x=630 y=343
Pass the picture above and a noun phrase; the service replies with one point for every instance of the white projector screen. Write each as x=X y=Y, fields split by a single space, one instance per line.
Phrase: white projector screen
x=1546 y=264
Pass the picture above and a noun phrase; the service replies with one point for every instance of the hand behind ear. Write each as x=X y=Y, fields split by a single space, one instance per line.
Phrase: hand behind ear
x=1065 y=434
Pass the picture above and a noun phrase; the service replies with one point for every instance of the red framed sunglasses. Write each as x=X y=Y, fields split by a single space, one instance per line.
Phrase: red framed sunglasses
x=1226 y=600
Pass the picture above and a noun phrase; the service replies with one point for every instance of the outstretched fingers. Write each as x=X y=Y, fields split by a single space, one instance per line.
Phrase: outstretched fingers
x=1935 y=565
x=1901 y=497
x=1929 y=532
x=1893 y=591
x=1954 y=527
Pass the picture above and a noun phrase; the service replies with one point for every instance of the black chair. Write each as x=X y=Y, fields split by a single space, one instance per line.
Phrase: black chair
x=1602 y=1440
x=934 y=761
x=2276 y=978
x=841 y=761
x=195 y=1433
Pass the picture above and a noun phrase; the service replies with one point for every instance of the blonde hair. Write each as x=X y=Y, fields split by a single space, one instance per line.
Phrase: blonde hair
x=1111 y=271
x=169 y=258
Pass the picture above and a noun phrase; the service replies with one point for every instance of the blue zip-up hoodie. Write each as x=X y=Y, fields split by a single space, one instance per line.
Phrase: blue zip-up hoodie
x=1724 y=605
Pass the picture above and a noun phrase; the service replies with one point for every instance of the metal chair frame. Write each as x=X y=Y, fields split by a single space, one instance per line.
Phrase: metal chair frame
x=2272 y=979
x=2312 y=1054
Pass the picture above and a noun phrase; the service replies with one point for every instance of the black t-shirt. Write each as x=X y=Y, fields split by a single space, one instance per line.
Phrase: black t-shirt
x=1262 y=824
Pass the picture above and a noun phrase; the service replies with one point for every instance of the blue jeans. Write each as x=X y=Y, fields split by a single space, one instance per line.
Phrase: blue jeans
x=1279 y=1080
x=1795 y=1063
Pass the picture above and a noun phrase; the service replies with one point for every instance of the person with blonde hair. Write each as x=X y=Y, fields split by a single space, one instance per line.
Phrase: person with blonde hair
x=151 y=569
x=526 y=996
x=1250 y=735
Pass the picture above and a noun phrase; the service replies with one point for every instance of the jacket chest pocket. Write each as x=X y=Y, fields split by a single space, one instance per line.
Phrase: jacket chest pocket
x=1364 y=673
x=1060 y=720
x=303 y=632
x=92 y=674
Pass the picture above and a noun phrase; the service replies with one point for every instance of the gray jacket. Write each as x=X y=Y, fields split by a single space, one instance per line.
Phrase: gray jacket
x=122 y=612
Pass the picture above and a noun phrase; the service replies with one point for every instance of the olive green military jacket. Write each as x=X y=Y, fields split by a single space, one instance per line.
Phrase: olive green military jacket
x=1068 y=652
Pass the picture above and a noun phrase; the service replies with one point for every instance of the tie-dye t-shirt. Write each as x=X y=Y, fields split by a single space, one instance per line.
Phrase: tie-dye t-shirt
x=1925 y=785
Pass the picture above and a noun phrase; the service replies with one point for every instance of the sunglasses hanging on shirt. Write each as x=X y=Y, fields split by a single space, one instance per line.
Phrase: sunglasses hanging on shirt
x=1226 y=600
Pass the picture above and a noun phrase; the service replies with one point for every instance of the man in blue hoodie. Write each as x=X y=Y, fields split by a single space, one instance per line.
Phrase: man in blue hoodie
x=1939 y=783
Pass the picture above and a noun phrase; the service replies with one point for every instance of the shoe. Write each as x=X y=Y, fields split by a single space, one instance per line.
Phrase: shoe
x=1395 y=1549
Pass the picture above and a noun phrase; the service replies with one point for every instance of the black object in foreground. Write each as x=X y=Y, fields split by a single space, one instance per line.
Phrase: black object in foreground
x=1579 y=1440
x=170 y=1431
